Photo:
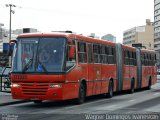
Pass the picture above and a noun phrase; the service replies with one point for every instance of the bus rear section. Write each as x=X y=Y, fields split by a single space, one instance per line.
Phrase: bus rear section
x=136 y=68
x=148 y=68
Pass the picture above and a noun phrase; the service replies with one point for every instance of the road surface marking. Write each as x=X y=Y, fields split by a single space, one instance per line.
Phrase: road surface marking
x=112 y=106
x=131 y=100
x=155 y=93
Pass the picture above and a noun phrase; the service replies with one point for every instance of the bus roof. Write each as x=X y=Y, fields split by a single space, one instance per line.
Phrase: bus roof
x=67 y=35
x=146 y=50
x=42 y=34
x=78 y=37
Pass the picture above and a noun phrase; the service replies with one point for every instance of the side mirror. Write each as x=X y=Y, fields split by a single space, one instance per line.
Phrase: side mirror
x=71 y=52
x=13 y=41
x=11 y=46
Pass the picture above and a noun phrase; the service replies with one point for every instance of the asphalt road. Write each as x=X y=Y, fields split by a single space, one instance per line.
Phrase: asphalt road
x=145 y=102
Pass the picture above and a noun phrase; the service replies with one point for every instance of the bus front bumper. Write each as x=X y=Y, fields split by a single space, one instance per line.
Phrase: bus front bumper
x=56 y=91
x=37 y=93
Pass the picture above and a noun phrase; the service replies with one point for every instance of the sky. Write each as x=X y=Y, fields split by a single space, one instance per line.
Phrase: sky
x=81 y=16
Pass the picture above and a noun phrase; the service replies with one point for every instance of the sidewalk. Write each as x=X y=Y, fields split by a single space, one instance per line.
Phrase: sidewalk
x=6 y=99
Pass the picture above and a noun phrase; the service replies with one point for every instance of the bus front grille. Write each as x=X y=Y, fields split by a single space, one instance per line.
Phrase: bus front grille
x=34 y=88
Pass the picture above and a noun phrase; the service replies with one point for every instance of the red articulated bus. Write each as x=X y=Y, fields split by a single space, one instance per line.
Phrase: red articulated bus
x=61 y=66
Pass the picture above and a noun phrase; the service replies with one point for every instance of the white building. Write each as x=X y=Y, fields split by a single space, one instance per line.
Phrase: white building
x=1 y=47
x=157 y=25
x=157 y=29
x=140 y=34
x=109 y=37
x=1 y=31
x=15 y=33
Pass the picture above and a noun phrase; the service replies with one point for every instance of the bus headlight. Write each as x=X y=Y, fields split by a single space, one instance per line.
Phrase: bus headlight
x=15 y=85
x=55 y=86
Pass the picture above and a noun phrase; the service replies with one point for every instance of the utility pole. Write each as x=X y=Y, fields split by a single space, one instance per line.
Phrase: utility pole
x=10 y=29
x=10 y=12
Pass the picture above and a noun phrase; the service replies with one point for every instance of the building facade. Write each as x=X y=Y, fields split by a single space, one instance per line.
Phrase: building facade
x=141 y=34
x=4 y=33
x=1 y=31
x=109 y=37
x=157 y=30
x=157 y=25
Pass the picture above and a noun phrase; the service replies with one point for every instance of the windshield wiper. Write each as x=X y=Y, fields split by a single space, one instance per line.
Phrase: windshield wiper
x=27 y=65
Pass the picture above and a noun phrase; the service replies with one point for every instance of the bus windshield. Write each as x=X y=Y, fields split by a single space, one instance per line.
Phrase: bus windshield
x=39 y=54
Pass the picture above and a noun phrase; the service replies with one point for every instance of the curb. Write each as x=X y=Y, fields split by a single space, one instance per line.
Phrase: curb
x=11 y=102
x=14 y=102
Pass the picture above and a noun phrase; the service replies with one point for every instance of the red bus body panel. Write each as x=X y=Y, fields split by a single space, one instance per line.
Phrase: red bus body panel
x=97 y=76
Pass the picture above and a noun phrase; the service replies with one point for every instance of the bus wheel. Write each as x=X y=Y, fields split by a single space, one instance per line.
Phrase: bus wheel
x=132 y=86
x=37 y=101
x=149 y=84
x=82 y=94
x=110 y=89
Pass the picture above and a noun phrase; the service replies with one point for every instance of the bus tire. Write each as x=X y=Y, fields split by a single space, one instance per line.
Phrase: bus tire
x=110 y=89
x=82 y=94
x=132 y=86
x=37 y=101
x=149 y=84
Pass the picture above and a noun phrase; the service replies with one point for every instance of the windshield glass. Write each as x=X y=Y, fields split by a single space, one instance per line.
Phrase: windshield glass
x=1 y=68
x=45 y=54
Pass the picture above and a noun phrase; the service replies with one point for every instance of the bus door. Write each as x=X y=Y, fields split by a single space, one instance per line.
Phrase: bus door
x=126 y=84
x=130 y=70
x=146 y=70
x=90 y=70
x=97 y=69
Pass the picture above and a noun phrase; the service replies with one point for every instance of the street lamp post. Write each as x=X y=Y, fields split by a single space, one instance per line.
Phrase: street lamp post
x=10 y=12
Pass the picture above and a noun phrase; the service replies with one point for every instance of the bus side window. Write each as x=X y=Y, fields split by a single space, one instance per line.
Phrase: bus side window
x=82 y=55
x=110 y=55
x=106 y=54
x=96 y=51
x=126 y=56
x=70 y=62
x=150 y=60
x=103 y=55
x=135 y=61
x=90 y=56
x=142 y=59
x=155 y=58
x=114 y=55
